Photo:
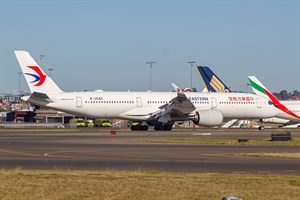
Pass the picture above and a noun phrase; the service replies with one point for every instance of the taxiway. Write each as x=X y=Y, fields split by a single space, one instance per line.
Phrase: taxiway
x=98 y=150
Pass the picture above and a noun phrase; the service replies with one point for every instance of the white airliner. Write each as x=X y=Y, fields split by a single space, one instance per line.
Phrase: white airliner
x=289 y=111
x=158 y=109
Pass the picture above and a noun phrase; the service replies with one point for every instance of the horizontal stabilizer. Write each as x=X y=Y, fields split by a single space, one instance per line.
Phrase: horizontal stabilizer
x=40 y=97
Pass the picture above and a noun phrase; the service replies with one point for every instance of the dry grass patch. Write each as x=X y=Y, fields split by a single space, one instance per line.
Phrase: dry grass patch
x=276 y=155
x=114 y=185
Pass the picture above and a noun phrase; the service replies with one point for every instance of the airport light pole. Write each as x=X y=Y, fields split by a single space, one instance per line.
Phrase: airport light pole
x=192 y=64
x=50 y=70
x=247 y=85
x=41 y=57
x=150 y=63
x=20 y=73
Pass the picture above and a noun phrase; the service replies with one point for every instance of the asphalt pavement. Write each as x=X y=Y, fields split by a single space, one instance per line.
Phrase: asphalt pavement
x=101 y=150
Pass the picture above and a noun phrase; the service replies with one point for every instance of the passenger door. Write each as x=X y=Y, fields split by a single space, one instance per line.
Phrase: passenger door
x=78 y=102
x=139 y=102
x=258 y=103
x=213 y=102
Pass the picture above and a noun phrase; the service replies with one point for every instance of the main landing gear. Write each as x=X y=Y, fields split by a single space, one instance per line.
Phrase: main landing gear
x=261 y=126
x=157 y=127
x=164 y=127
x=139 y=127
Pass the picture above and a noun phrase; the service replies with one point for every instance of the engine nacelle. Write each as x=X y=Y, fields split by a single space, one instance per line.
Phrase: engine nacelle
x=208 y=117
x=276 y=120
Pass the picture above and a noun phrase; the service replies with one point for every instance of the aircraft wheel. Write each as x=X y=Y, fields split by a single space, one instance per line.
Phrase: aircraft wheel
x=139 y=127
x=145 y=128
x=159 y=127
x=168 y=127
x=133 y=128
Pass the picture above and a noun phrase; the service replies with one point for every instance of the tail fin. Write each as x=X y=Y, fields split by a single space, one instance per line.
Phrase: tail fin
x=259 y=89
x=36 y=78
x=211 y=81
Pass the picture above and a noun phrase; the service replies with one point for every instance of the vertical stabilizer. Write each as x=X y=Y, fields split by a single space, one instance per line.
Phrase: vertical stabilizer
x=211 y=81
x=259 y=89
x=36 y=78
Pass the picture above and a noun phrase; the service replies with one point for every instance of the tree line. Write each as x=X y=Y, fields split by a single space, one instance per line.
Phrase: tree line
x=285 y=95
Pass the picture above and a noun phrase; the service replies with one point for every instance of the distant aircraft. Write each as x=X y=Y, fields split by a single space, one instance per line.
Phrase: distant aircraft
x=158 y=109
x=209 y=78
x=290 y=110
x=211 y=81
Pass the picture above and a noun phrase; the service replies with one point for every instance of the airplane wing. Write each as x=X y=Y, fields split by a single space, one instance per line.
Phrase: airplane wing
x=178 y=106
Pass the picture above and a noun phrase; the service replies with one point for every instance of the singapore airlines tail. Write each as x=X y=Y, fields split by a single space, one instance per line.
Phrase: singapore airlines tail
x=211 y=81
x=36 y=78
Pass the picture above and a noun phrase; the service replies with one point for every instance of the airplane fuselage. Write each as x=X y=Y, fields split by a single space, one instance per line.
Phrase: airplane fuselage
x=293 y=106
x=139 y=105
x=158 y=109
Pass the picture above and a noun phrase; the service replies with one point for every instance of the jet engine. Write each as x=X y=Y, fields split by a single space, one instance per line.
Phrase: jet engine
x=208 y=117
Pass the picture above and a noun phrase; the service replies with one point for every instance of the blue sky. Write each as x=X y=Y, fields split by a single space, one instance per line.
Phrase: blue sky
x=106 y=44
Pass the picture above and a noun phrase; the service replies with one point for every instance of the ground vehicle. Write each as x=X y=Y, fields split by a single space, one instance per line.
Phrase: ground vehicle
x=80 y=122
x=89 y=123
x=102 y=123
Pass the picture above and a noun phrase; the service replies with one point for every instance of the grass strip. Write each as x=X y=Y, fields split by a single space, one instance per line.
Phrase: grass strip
x=146 y=185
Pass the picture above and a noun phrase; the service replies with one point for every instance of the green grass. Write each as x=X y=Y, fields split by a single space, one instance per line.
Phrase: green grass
x=293 y=142
x=115 y=185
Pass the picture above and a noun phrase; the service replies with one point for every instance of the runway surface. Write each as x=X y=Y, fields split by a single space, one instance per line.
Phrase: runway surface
x=95 y=150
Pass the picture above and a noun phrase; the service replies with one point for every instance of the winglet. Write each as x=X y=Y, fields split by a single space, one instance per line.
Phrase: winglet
x=177 y=89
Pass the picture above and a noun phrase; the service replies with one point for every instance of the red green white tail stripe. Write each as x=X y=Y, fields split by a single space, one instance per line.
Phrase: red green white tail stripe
x=259 y=89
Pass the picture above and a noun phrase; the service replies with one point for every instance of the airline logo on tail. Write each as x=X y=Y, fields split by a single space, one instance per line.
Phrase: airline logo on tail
x=39 y=77
x=216 y=84
x=211 y=81
x=260 y=89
